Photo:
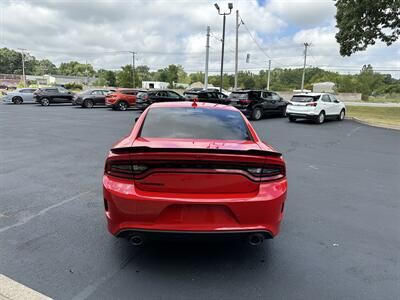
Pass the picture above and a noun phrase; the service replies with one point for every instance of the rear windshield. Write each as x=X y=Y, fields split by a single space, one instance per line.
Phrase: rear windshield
x=194 y=123
x=128 y=92
x=141 y=94
x=305 y=98
x=191 y=95
x=245 y=95
x=240 y=96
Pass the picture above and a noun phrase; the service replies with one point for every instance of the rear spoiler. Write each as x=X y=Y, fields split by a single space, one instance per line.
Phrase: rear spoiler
x=194 y=150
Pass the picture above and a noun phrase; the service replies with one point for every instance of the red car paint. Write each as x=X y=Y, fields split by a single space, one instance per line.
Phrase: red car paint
x=167 y=198
x=122 y=95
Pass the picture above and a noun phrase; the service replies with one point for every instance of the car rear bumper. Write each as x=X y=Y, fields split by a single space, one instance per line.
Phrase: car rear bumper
x=128 y=209
x=141 y=105
x=77 y=101
x=302 y=116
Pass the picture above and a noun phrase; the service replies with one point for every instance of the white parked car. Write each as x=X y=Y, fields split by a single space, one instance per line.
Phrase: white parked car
x=23 y=95
x=315 y=106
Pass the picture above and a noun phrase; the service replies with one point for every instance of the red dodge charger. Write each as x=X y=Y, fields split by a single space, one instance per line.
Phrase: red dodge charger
x=193 y=169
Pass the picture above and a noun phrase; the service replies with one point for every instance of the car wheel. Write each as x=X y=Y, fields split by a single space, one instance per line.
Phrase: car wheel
x=321 y=118
x=256 y=114
x=292 y=119
x=341 y=115
x=122 y=105
x=283 y=111
x=45 y=102
x=17 y=100
x=88 y=103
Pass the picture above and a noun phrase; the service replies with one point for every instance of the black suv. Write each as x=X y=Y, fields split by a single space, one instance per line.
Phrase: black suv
x=258 y=103
x=58 y=94
x=207 y=96
x=92 y=97
x=145 y=99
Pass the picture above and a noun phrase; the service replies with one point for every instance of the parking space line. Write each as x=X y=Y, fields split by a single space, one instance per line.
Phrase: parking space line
x=42 y=212
x=13 y=290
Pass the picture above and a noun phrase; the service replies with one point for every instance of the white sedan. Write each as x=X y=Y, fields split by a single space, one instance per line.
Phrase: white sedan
x=315 y=106
x=23 y=95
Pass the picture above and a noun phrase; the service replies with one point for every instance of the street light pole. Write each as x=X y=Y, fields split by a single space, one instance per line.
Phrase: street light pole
x=237 y=49
x=230 y=6
x=269 y=73
x=304 y=66
x=207 y=58
x=133 y=68
x=23 y=66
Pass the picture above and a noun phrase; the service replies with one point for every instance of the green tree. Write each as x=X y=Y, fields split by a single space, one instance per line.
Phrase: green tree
x=44 y=66
x=74 y=68
x=124 y=77
x=106 y=78
x=10 y=61
x=142 y=73
x=362 y=22
x=196 y=77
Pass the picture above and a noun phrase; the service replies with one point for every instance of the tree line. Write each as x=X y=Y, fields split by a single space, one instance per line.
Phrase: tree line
x=367 y=81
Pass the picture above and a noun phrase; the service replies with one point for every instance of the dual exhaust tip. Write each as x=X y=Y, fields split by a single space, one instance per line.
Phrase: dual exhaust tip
x=136 y=240
x=255 y=239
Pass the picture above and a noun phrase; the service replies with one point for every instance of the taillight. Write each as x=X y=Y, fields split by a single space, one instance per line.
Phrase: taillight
x=269 y=172
x=312 y=104
x=245 y=101
x=124 y=169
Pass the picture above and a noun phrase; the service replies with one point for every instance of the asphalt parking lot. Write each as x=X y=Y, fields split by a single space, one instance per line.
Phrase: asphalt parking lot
x=340 y=238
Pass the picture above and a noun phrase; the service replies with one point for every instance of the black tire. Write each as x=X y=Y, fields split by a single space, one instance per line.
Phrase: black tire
x=321 y=118
x=17 y=100
x=283 y=111
x=341 y=116
x=88 y=103
x=256 y=114
x=45 y=102
x=122 y=105
x=292 y=119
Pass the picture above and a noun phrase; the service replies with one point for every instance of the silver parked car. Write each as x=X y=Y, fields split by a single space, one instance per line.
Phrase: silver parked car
x=23 y=95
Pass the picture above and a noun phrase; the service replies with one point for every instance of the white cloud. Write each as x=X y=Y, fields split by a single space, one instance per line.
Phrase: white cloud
x=303 y=12
x=173 y=31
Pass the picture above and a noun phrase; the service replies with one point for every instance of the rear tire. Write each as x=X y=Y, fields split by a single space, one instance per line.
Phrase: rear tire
x=17 y=100
x=283 y=112
x=341 y=116
x=292 y=119
x=321 y=118
x=45 y=102
x=88 y=103
x=122 y=106
x=256 y=114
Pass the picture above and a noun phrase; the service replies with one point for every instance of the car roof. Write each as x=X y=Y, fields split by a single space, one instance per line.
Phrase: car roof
x=309 y=94
x=247 y=91
x=202 y=91
x=190 y=104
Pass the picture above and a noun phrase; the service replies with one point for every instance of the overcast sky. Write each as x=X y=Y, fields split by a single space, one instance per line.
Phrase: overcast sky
x=174 y=31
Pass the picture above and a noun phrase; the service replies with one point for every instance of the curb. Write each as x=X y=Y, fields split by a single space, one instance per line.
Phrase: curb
x=372 y=124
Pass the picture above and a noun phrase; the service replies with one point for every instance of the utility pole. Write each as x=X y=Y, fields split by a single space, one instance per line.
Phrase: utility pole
x=23 y=66
x=304 y=66
x=237 y=49
x=230 y=6
x=207 y=58
x=86 y=73
x=133 y=67
x=269 y=73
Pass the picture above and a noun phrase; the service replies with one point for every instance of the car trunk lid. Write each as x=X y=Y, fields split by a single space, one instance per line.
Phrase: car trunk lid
x=193 y=166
